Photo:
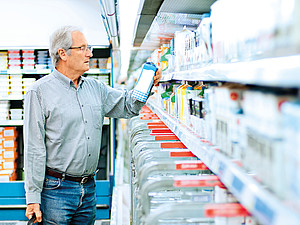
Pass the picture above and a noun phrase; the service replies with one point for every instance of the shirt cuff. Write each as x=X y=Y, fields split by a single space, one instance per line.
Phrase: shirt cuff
x=33 y=198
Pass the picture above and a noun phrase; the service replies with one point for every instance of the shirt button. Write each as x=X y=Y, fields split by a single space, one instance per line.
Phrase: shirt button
x=81 y=105
x=89 y=154
x=85 y=121
x=88 y=138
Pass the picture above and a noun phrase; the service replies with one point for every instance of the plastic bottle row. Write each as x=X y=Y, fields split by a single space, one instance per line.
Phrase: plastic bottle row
x=170 y=185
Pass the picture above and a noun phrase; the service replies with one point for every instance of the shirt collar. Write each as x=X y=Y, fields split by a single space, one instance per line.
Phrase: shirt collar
x=65 y=80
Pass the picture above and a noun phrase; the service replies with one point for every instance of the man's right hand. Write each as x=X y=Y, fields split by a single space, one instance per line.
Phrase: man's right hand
x=34 y=209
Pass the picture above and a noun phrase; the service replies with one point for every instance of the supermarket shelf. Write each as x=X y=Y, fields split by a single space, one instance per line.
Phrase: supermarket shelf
x=47 y=71
x=266 y=207
x=8 y=98
x=23 y=71
x=11 y=123
x=97 y=71
x=20 y=122
x=280 y=71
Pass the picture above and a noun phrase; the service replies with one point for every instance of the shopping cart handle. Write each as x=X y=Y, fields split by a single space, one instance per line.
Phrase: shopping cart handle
x=31 y=221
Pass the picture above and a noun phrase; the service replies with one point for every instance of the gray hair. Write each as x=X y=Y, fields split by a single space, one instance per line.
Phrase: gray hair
x=61 y=38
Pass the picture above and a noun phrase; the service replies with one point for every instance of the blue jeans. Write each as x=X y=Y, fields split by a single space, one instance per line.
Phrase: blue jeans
x=68 y=202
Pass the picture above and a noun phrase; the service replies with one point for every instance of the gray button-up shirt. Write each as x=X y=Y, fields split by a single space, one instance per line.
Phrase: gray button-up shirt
x=63 y=125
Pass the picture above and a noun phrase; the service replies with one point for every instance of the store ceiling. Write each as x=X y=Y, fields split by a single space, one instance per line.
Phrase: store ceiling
x=158 y=21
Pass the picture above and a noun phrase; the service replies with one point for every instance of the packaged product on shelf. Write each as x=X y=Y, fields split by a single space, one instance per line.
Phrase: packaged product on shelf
x=42 y=59
x=164 y=59
x=210 y=121
x=228 y=104
x=14 y=59
x=189 y=49
x=8 y=143
x=171 y=57
x=93 y=63
x=173 y=101
x=16 y=114
x=184 y=105
x=26 y=83
x=178 y=102
x=291 y=156
x=28 y=59
x=203 y=46
x=4 y=86
x=8 y=132
x=102 y=63
x=108 y=65
x=15 y=86
x=265 y=137
x=8 y=153
x=165 y=96
x=179 y=48
x=8 y=175
x=196 y=119
x=9 y=164
x=4 y=108
x=195 y=108
x=3 y=60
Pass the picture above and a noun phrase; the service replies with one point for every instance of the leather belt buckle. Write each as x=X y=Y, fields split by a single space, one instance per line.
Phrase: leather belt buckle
x=84 y=180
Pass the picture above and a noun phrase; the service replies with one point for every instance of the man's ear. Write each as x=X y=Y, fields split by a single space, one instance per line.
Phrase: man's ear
x=63 y=54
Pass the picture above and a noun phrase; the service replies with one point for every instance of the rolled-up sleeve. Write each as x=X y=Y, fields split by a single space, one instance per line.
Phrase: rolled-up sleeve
x=34 y=147
x=119 y=103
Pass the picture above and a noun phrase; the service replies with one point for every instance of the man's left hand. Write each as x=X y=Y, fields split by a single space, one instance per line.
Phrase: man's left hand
x=157 y=76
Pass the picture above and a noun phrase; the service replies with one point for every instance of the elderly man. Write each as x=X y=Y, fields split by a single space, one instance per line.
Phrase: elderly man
x=63 y=121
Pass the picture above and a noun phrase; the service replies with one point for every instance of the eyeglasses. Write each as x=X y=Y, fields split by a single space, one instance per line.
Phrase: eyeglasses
x=83 y=48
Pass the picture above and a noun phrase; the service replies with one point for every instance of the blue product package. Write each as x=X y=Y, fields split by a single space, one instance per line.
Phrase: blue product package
x=144 y=82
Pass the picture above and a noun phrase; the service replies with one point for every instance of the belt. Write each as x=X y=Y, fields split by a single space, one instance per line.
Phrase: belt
x=82 y=180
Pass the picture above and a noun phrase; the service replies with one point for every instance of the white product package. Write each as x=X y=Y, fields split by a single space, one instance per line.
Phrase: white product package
x=144 y=82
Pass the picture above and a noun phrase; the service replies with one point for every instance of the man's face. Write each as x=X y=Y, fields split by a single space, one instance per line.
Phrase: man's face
x=79 y=59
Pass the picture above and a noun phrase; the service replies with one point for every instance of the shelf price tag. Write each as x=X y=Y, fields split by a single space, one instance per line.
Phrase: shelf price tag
x=237 y=184
x=222 y=168
x=191 y=166
x=264 y=210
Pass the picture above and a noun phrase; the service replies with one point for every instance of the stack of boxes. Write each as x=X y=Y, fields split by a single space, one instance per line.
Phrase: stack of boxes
x=8 y=153
x=94 y=63
x=12 y=87
x=43 y=60
x=28 y=59
x=3 y=60
x=99 y=63
x=15 y=86
x=4 y=108
x=4 y=86
x=14 y=58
